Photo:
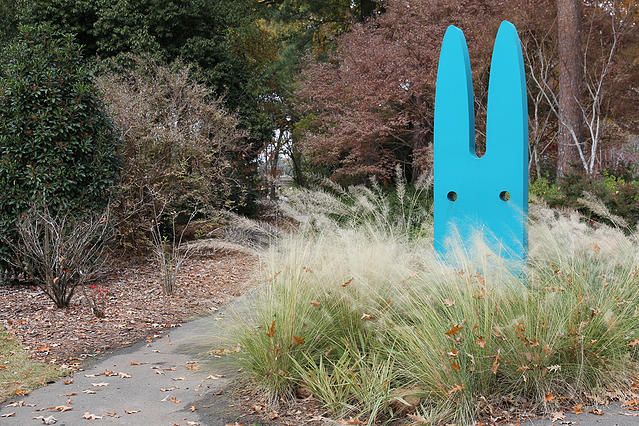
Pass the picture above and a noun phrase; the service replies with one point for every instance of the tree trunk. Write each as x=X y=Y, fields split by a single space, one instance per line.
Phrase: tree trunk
x=298 y=173
x=569 y=16
x=273 y=162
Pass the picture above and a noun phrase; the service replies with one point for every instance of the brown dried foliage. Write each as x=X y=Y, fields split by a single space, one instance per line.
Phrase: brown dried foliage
x=179 y=144
x=371 y=104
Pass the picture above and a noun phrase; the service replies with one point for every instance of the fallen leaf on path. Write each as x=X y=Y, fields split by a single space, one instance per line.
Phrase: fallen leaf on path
x=352 y=421
x=100 y=385
x=70 y=394
x=168 y=389
x=177 y=379
x=8 y=414
x=190 y=423
x=112 y=414
x=578 y=408
x=124 y=375
x=556 y=416
x=171 y=398
x=132 y=411
x=219 y=353
x=20 y=403
x=60 y=408
x=192 y=408
x=192 y=366
x=68 y=381
x=90 y=416
x=596 y=412
x=89 y=391
x=50 y=420
x=215 y=376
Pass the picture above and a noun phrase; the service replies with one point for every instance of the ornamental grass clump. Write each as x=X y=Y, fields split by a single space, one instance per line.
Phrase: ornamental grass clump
x=375 y=327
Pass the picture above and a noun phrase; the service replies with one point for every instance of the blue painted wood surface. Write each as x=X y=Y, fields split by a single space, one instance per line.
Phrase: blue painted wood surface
x=488 y=194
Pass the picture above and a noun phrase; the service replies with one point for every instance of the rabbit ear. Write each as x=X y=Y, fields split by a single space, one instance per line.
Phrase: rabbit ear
x=454 y=138
x=506 y=156
x=507 y=120
x=454 y=109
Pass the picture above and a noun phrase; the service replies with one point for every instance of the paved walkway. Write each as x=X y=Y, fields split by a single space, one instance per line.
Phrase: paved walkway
x=613 y=415
x=175 y=380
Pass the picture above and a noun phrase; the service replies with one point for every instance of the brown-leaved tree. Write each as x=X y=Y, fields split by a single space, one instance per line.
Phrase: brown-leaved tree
x=370 y=106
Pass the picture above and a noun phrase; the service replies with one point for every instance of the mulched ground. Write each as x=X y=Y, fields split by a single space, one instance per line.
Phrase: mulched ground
x=135 y=310
x=256 y=409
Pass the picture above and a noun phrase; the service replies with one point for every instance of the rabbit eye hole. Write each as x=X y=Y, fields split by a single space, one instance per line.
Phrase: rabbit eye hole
x=504 y=195
x=452 y=196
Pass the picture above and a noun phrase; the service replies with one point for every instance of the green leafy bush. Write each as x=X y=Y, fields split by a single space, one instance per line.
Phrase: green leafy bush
x=620 y=195
x=546 y=190
x=369 y=321
x=56 y=141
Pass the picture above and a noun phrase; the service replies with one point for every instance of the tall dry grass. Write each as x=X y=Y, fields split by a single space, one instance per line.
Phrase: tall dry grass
x=358 y=310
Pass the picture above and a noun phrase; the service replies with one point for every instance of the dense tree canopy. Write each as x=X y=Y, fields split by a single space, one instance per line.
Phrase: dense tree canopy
x=208 y=33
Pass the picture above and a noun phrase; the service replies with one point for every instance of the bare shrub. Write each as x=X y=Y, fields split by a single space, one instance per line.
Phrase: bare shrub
x=169 y=250
x=181 y=147
x=60 y=252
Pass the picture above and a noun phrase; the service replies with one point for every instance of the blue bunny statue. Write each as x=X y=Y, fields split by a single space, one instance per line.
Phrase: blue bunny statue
x=487 y=194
